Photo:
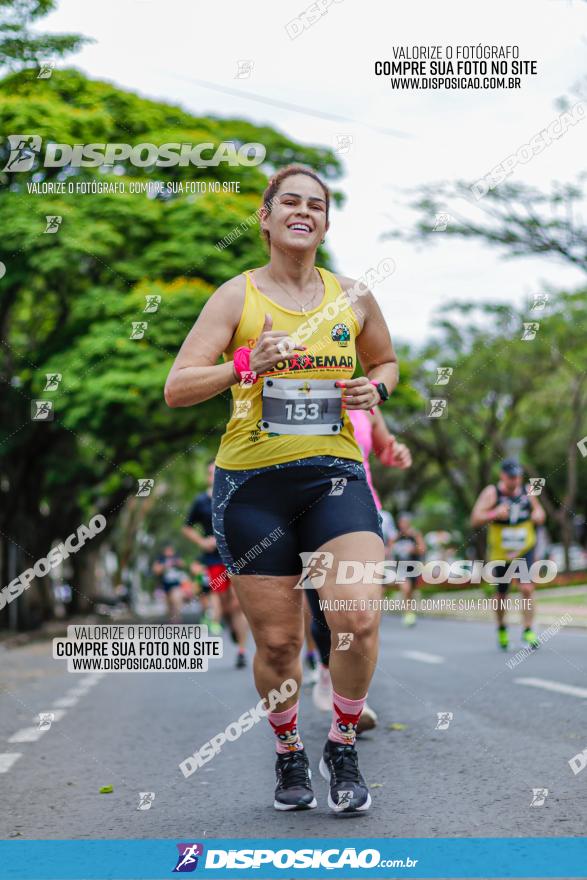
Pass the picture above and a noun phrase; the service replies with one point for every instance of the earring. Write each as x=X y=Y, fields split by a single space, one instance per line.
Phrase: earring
x=323 y=240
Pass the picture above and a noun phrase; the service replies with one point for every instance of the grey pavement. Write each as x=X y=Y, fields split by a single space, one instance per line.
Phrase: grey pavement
x=473 y=779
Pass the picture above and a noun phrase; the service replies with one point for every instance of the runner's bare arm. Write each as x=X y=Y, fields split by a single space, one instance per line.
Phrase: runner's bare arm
x=380 y=433
x=195 y=375
x=385 y=446
x=538 y=514
x=193 y=535
x=483 y=511
x=374 y=346
x=374 y=350
x=420 y=543
x=350 y=286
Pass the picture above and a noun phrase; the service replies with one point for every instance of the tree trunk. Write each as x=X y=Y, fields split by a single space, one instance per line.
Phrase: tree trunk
x=84 y=585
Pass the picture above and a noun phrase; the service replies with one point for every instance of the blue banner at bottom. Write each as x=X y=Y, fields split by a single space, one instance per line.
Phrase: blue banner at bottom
x=534 y=857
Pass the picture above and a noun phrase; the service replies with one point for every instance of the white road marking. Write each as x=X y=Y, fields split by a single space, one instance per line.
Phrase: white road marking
x=422 y=656
x=56 y=713
x=32 y=734
x=27 y=735
x=557 y=686
x=66 y=702
x=7 y=759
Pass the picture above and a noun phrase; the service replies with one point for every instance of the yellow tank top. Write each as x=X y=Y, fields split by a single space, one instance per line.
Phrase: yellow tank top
x=507 y=542
x=514 y=538
x=331 y=353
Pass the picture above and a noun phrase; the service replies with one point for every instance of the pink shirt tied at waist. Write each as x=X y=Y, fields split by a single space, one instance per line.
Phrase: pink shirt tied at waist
x=364 y=437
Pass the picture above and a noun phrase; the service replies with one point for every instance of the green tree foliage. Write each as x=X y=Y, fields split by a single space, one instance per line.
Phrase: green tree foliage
x=20 y=46
x=533 y=391
x=68 y=300
x=506 y=393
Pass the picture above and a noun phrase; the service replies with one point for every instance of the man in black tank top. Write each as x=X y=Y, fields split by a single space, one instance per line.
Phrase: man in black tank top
x=510 y=514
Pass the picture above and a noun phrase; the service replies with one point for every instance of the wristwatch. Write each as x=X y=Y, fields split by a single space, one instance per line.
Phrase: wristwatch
x=382 y=389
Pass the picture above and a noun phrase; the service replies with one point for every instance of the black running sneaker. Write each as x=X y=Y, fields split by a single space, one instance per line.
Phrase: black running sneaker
x=311 y=661
x=241 y=660
x=348 y=790
x=294 y=787
x=227 y=621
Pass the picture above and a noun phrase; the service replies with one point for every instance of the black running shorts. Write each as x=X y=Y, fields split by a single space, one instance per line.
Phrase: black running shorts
x=500 y=571
x=264 y=518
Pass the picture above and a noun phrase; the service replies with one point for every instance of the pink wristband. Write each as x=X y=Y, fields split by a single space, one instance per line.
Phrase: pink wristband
x=241 y=361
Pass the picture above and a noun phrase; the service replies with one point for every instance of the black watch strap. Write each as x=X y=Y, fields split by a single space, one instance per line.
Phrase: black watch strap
x=383 y=392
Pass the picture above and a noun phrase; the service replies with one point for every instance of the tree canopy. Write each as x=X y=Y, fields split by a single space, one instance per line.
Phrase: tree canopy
x=69 y=299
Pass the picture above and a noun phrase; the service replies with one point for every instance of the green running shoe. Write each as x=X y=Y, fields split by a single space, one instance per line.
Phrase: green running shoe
x=409 y=619
x=531 y=639
x=214 y=628
x=503 y=639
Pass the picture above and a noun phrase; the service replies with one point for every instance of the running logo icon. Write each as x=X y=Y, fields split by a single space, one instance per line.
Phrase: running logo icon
x=344 y=641
x=443 y=375
x=24 y=148
x=188 y=857
x=138 y=329
x=444 y=719
x=42 y=410
x=530 y=331
x=153 y=302
x=540 y=302
x=146 y=799
x=437 y=409
x=338 y=484
x=537 y=484
x=539 y=795
x=315 y=567
x=344 y=798
x=441 y=222
x=344 y=143
x=46 y=70
x=52 y=381
x=241 y=408
x=53 y=223
x=244 y=68
x=145 y=487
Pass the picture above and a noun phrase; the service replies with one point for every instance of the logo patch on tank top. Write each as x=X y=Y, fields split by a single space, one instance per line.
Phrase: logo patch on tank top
x=255 y=434
x=340 y=333
x=312 y=362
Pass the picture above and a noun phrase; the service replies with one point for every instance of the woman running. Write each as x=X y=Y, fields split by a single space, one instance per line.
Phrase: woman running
x=371 y=434
x=290 y=484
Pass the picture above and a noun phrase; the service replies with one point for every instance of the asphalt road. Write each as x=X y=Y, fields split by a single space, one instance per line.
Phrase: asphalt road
x=473 y=779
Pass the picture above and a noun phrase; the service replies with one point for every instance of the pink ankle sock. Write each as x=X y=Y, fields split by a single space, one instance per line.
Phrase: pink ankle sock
x=285 y=728
x=345 y=716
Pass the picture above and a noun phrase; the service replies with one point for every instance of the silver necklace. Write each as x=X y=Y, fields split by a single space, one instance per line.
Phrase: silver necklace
x=303 y=306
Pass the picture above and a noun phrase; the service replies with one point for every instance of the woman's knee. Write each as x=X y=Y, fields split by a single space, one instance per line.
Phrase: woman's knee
x=364 y=625
x=279 y=649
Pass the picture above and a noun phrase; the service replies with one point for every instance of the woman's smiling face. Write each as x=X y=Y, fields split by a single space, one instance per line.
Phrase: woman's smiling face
x=297 y=220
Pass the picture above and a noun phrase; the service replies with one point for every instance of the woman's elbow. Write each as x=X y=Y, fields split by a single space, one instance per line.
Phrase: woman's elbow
x=170 y=393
